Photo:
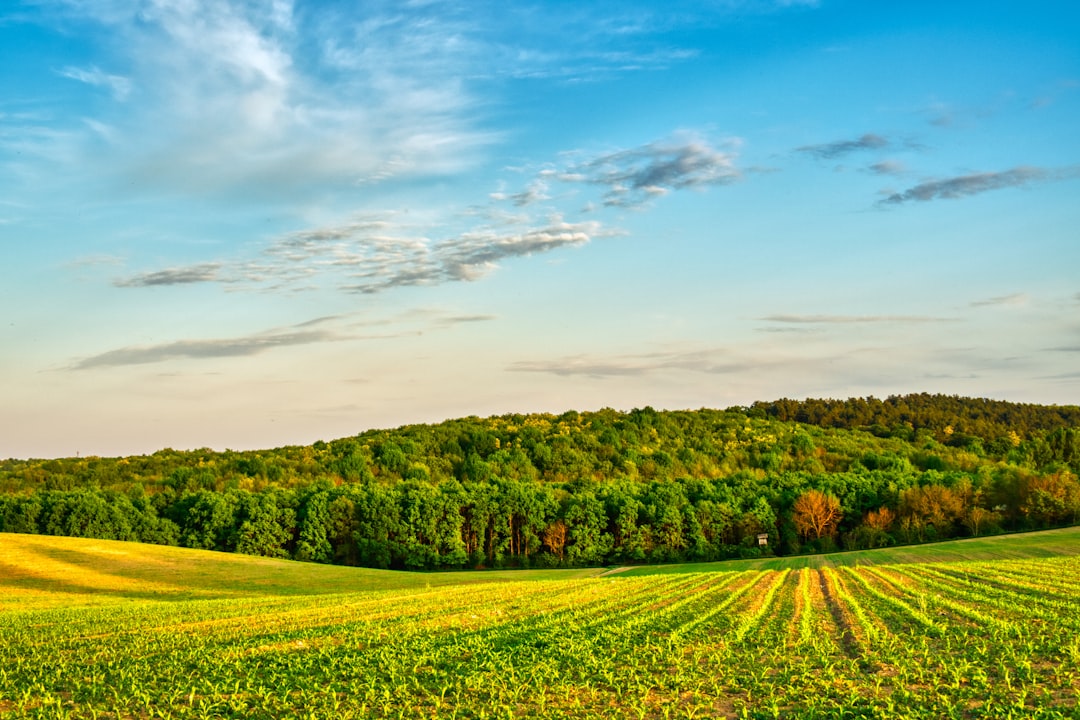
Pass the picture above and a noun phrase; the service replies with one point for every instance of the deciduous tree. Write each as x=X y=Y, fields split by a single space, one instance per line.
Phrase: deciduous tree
x=816 y=514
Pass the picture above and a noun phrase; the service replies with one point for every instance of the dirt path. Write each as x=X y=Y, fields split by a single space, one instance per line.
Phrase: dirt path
x=612 y=571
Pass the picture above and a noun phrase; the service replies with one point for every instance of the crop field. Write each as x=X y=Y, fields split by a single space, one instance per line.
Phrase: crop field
x=978 y=639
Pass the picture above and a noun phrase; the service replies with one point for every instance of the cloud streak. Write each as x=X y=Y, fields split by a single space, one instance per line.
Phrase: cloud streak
x=633 y=177
x=375 y=255
x=468 y=257
x=963 y=186
x=205 y=272
x=849 y=319
x=320 y=330
x=119 y=86
x=839 y=148
x=203 y=349
x=1014 y=299
x=888 y=167
x=710 y=362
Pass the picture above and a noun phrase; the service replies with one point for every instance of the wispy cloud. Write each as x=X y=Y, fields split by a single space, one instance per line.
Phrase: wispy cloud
x=452 y=320
x=326 y=329
x=976 y=183
x=1014 y=299
x=714 y=362
x=269 y=100
x=202 y=349
x=373 y=255
x=888 y=167
x=205 y=272
x=1063 y=376
x=535 y=192
x=839 y=148
x=119 y=86
x=469 y=256
x=849 y=319
x=231 y=98
x=633 y=177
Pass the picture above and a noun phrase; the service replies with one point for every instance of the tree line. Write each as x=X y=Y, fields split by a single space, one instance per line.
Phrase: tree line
x=585 y=488
x=415 y=524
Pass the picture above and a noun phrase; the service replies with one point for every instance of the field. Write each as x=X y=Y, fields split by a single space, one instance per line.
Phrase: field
x=97 y=629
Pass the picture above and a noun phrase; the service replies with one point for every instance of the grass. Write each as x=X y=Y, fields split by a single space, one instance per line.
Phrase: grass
x=43 y=571
x=981 y=628
x=1042 y=544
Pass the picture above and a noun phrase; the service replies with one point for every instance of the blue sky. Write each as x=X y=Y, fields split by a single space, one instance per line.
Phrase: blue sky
x=242 y=224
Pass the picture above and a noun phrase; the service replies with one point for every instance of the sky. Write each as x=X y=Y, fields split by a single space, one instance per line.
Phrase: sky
x=252 y=223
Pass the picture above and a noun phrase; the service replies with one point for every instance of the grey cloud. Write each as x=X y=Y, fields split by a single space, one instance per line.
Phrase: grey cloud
x=202 y=349
x=461 y=319
x=534 y=193
x=1065 y=348
x=319 y=321
x=830 y=151
x=888 y=167
x=470 y=256
x=1014 y=299
x=849 y=319
x=701 y=361
x=635 y=176
x=940 y=115
x=966 y=185
x=205 y=272
x=787 y=329
x=1063 y=376
x=329 y=328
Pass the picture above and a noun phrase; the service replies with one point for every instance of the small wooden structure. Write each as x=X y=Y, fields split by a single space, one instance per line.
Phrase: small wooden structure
x=763 y=539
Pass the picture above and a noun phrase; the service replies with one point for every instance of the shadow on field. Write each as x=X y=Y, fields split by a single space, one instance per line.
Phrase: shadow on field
x=15 y=577
x=52 y=569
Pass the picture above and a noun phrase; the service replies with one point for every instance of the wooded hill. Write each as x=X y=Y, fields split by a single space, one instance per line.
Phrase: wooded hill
x=586 y=488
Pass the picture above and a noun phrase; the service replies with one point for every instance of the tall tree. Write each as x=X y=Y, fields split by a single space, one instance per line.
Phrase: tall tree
x=816 y=514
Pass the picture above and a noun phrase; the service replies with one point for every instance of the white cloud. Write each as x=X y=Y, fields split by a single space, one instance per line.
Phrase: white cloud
x=376 y=254
x=231 y=101
x=119 y=86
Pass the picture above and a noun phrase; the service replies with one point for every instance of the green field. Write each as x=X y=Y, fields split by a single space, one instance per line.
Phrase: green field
x=99 y=629
x=1048 y=543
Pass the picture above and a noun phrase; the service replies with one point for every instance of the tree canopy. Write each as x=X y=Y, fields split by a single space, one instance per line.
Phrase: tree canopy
x=585 y=488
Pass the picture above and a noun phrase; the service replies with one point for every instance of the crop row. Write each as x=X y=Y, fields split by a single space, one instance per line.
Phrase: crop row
x=961 y=640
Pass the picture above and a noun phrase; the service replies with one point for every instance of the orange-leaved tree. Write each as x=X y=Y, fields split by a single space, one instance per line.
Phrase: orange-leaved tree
x=816 y=514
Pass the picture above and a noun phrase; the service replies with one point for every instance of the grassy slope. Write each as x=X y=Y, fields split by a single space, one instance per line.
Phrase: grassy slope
x=1047 y=543
x=39 y=571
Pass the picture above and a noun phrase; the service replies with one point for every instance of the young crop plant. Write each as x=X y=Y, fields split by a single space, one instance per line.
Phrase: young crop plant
x=917 y=641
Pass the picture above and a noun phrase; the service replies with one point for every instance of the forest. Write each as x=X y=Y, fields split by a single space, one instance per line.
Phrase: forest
x=586 y=488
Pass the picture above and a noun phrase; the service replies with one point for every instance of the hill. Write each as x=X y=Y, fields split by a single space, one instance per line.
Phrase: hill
x=41 y=572
x=585 y=489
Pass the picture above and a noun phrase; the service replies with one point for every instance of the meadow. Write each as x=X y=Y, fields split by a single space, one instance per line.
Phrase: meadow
x=972 y=629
